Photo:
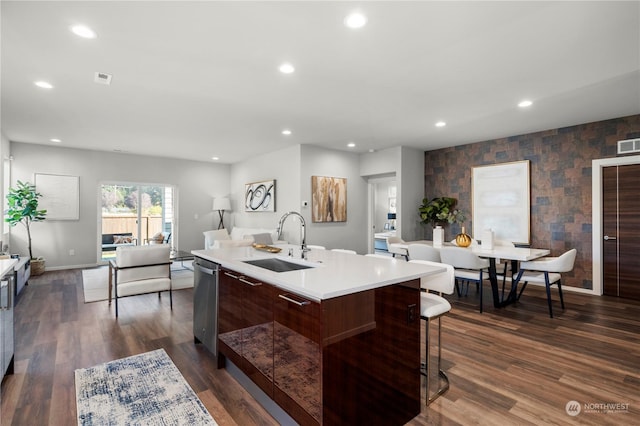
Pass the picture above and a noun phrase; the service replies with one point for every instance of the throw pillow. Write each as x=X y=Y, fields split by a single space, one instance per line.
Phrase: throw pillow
x=158 y=238
x=122 y=239
x=262 y=239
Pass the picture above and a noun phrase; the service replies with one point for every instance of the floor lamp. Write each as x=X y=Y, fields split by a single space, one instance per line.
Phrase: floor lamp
x=221 y=204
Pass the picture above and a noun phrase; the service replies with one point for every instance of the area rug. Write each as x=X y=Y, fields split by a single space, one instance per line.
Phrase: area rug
x=145 y=389
x=95 y=282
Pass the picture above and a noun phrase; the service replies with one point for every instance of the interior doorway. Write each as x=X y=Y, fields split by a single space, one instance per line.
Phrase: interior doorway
x=384 y=213
x=135 y=214
x=597 y=169
x=621 y=228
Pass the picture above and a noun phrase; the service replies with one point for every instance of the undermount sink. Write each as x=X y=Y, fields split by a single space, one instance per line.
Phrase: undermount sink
x=277 y=265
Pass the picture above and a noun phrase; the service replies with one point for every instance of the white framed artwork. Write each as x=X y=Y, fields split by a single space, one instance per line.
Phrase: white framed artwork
x=501 y=201
x=60 y=196
x=260 y=196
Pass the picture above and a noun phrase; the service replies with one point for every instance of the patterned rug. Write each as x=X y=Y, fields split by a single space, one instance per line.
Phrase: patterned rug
x=145 y=389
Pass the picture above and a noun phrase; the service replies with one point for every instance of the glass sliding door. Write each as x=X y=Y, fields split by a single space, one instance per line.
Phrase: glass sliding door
x=133 y=214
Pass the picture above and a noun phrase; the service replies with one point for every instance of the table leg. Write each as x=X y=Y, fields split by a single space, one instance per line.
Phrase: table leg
x=493 y=278
x=512 y=296
x=110 y=282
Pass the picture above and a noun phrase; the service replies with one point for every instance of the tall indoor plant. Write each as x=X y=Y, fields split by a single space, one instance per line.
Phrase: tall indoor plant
x=22 y=208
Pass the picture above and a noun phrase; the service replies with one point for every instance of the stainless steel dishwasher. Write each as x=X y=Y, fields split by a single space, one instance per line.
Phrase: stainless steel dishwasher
x=205 y=303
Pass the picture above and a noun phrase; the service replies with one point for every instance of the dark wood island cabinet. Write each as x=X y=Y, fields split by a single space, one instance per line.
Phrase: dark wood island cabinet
x=351 y=359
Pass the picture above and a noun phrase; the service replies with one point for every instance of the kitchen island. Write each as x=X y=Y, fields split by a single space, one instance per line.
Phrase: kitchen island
x=337 y=342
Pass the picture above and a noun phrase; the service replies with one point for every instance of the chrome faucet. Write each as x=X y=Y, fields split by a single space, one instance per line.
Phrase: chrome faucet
x=303 y=228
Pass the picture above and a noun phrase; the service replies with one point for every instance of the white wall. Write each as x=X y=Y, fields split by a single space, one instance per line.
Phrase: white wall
x=197 y=183
x=411 y=192
x=351 y=234
x=292 y=169
x=284 y=167
x=407 y=164
x=4 y=163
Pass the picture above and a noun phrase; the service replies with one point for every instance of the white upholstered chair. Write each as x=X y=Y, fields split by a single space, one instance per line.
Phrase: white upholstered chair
x=423 y=252
x=434 y=306
x=547 y=271
x=394 y=249
x=140 y=270
x=469 y=267
x=315 y=247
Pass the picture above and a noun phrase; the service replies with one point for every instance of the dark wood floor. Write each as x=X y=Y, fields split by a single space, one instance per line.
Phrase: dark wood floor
x=513 y=366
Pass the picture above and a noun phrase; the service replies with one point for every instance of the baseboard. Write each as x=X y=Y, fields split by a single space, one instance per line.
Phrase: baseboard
x=62 y=268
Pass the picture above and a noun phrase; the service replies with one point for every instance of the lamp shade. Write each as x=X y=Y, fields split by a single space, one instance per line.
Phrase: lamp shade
x=391 y=216
x=221 y=204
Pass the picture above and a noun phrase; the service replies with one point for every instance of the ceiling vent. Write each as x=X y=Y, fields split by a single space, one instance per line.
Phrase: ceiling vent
x=629 y=146
x=102 y=78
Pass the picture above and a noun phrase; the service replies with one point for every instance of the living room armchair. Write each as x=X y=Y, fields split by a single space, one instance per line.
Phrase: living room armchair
x=140 y=270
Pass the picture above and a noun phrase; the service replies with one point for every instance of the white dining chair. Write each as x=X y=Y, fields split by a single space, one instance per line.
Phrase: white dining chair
x=394 y=249
x=423 y=252
x=434 y=306
x=547 y=271
x=379 y=256
x=344 y=251
x=315 y=247
x=469 y=267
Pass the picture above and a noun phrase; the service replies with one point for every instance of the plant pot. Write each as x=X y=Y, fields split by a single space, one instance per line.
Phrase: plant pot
x=463 y=239
x=37 y=266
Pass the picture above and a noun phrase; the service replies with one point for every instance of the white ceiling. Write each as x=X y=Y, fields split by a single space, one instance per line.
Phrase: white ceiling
x=194 y=80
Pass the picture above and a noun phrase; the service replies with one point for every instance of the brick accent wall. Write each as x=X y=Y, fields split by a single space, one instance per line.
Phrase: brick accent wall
x=560 y=164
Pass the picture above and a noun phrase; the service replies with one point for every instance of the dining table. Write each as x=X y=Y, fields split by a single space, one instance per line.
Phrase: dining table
x=513 y=254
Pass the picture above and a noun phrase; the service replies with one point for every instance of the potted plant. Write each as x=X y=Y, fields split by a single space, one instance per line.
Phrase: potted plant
x=22 y=208
x=436 y=211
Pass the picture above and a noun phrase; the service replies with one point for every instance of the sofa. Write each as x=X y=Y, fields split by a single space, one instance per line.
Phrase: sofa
x=240 y=237
x=112 y=241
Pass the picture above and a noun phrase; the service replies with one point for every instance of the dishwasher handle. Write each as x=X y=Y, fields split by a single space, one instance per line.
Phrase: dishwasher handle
x=204 y=269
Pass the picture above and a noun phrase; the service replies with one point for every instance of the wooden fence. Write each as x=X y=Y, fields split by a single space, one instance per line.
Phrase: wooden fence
x=115 y=224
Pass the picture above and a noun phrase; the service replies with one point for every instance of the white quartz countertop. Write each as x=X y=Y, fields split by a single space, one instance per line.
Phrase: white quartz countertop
x=332 y=274
x=6 y=265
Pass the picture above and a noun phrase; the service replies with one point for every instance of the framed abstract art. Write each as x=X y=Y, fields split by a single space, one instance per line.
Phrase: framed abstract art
x=260 y=196
x=328 y=199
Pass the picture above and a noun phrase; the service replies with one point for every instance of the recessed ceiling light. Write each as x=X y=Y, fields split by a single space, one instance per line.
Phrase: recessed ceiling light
x=525 y=103
x=372 y=150
x=83 y=31
x=55 y=140
x=355 y=20
x=286 y=68
x=215 y=158
x=44 y=84
x=441 y=124
x=351 y=145
x=286 y=132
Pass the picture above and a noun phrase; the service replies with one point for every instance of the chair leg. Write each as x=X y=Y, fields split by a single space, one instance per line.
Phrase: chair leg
x=441 y=374
x=116 y=303
x=171 y=299
x=560 y=292
x=548 y=286
x=480 y=287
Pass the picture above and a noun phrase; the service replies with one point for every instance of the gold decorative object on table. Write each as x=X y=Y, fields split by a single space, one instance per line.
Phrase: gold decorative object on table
x=266 y=248
x=463 y=239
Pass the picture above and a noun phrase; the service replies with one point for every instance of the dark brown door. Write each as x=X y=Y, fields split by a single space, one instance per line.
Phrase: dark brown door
x=621 y=231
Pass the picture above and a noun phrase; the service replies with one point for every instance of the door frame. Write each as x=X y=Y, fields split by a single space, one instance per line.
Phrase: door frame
x=174 y=189
x=596 y=207
x=371 y=183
